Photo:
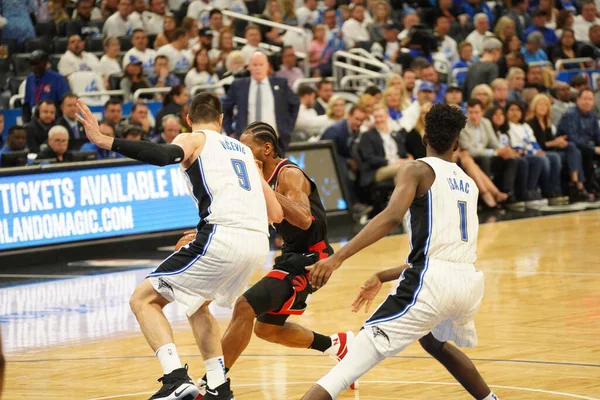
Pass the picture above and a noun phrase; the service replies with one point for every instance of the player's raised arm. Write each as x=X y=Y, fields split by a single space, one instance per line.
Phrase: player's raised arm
x=292 y=193
x=182 y=148
x=410 y=176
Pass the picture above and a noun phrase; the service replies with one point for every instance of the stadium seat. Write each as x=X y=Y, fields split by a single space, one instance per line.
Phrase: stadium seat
x=54 y=59
x=14 y=82
x=125 y=43
x=62 y=28
x=181 y=75
x=60 y=45
x=21 y=64
x=5 y=65
x=39 y=43
x=151 y=39
x=94 y=44
x=12 y=45
x=97 y=24
x=45 y=29
x=114 y=81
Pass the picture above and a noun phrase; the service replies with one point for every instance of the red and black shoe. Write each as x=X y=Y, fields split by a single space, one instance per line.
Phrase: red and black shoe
x=340 y=344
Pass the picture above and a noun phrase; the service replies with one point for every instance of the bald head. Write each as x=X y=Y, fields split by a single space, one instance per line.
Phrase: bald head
x=259 y=66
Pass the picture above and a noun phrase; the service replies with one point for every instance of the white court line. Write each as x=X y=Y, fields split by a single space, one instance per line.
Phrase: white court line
x=551 y=392
x=41 y=276
x=497 y=271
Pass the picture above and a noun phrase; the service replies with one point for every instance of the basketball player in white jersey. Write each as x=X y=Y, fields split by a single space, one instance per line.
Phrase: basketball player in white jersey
x=235 y=206
x=439 y=293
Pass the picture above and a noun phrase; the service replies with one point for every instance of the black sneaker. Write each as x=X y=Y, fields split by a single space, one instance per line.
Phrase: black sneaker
x=222 y=392
x=176 y=386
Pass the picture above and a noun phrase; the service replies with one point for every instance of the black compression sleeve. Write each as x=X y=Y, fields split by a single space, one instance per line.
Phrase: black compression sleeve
x=149 y=152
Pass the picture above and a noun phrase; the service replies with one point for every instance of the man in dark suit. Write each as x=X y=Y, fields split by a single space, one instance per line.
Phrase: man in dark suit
x=69 y=120
x=260 y=98
x=38 y=127
x=381 y=150
x=324 y=93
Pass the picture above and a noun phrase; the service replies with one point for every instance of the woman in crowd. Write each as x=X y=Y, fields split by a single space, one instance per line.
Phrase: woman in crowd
x=218 y=56
x=172 y=104
x=191 y=27
x=201 y=72
x=523 y=141
x=414 y=138
x=566 y=48
x=565 y=20
x=336 y=108
x=485 y=94
x=317 y=46
x=169 y=25
x=397 y=82
x=58 y=11
x=381 y=16
x=539 y=118
x=551 y=13
x=288 y=12
x=366 y=102
x=134 y=79
x=505 y=28
x=511 y=55
x=393 y=102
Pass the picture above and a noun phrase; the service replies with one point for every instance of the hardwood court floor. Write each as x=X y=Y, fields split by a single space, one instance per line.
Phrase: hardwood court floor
x=539 y=328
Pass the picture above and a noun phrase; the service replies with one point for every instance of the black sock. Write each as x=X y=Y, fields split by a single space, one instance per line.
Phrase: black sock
x=204 y=377
x=321 y=342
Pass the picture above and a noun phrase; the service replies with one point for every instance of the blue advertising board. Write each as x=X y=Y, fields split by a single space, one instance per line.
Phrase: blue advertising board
x=67 y=206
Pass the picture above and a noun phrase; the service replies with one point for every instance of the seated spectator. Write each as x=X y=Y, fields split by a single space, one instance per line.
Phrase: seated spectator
x=261 y=98
x=133 y=79
x=519 y=15
x=410 y=18
x=162 y=75
x=168 y=33
x=366 y=102
x=504 y=29
x=414 y=139
x=580 y=125
x=465 y=54
x=512 y=56
x=154 y=17
x=113 y=113
x=308 y=13
x=308 y=123
x=324 y=93
x=396 y=82
x=336 y=109
x=37 y=129
x=137 y=9
x=410 y=116
x=532 y=51
x=481 y=32
x=551 y=13
x=218 y=55
x=317 y=46
x=58 y=11
x=139 y=52
x=523 y=141
x=500 y=92
x=108 y=63
x=353 y=30
x=475 y=7
x=538 y=20
x=410 y=79
x=289 y=69
x=58 y=144
x=84 y=15
x=133 y=133
x=106 y=129
x=382 y=151
x=172 y=103
x=15 y=141
x=445 y=8
x=566 y=49
x=454 y=97
x=216 y=25
x=381 y=19
x=252 y=36
x=392 y=100
x=68 y=107
x=235 y=67
x=539 y=119
x=535 y=79
x=139 y=117
x=479 y=139
x=448 y=46
x=171 y=127
x=121 y=23
x=197 y=9
x=42 y=84
x=516 y=83
x=486 y=69
x=484 y=94
x=76 y=59
x=174 y=51
x=565 y=19
x=583 y=22
x=592 y=49
x=429 y=74
x=190 y=25
x=201 y=72
x=562 y=93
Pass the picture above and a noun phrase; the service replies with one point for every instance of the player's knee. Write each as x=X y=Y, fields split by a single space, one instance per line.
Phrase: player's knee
x=431 y=344
x=243 y=309
x=266 y=332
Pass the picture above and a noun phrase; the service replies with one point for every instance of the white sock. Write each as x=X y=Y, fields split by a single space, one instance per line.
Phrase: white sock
x=168 y=357
x=215 y=371
x=491 y=396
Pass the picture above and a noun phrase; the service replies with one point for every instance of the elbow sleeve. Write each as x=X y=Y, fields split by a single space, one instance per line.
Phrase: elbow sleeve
x=148 y=152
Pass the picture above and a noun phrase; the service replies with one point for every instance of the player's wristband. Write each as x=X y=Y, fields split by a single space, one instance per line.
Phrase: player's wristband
x=149 y=152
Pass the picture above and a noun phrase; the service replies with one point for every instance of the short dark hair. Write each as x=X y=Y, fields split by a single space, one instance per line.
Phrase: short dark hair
x=46 y=101
x=443 y=124
x=474 y=102
x=137 y=105
x=582 y=91
x=330 y=10
x=323 y=82
x=69 y=96
x=205 y=108
x=107 y=123
x=112 y=102
x=303 y=90
x=373 y=90
x=578 y=80
x=355 y=108
x=161 y=57
x=138 y=30
x=15 y=128
x=177 y=33
x=213 y=12
x=264 y=133
x=518 y=104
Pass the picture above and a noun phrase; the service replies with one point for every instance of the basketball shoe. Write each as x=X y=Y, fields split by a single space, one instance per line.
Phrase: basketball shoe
x=222 y=392
x=341 y=343
x=176 y=386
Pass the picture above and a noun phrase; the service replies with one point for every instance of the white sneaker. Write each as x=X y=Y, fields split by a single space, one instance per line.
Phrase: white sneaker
x=341 y=343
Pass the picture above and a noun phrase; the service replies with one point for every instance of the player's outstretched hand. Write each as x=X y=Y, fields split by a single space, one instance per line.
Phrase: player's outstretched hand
x=367 y=293
x=90 y=123
x=322 y=270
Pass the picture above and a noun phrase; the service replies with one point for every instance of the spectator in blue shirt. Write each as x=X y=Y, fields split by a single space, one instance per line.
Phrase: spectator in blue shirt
x=108 y=130
x=539 y=19
x=580 y=125
x=465 y=52
x=15 y=141
x=473 y=7
x=162 y=77
x=42 y=84
x=532 y=52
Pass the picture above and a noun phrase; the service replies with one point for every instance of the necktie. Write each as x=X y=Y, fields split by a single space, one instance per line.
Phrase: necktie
x=76 y=134
x=258 y=113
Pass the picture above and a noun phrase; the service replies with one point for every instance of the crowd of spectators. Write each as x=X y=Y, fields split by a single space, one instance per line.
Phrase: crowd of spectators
x=530 y=139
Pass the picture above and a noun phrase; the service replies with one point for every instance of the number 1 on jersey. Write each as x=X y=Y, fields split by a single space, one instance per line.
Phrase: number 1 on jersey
x=239 y=167
x=462 y=210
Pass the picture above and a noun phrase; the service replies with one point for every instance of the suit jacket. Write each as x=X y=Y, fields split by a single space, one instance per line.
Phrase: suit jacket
x=37 y=134
x=319 y=108
x=372 y=154
x=286 y=102
x=74 y=143
x=469 y=141
x=339 y=133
